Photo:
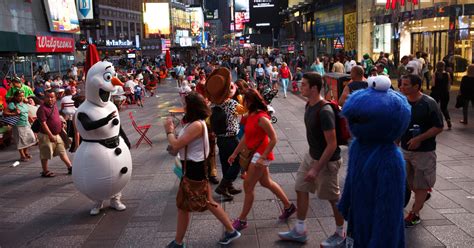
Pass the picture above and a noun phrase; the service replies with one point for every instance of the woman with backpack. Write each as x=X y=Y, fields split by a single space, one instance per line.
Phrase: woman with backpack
x=259 y=137
x=193 y=147
x=440 y=90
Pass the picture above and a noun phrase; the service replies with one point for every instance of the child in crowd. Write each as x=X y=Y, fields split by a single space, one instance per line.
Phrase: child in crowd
x=138 y=94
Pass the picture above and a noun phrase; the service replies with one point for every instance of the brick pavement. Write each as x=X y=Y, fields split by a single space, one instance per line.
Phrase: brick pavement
x=44 y=212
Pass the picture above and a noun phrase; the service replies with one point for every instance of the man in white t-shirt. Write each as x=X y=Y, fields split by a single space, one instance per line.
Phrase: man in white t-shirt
x=349 y=64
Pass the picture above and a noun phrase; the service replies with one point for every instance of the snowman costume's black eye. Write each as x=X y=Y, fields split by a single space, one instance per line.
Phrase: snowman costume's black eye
x=107 y=76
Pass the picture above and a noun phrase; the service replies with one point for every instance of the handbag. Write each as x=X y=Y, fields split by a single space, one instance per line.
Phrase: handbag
x=192 y=194
x=460 y=102
x=10 y=120
x=36 y=125
x=245 y=156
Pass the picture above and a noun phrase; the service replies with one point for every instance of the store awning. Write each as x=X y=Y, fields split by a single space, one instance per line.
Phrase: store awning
x=17 y=43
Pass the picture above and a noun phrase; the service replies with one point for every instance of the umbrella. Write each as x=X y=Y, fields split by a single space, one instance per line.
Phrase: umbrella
x=169 y=64
x=92 y=57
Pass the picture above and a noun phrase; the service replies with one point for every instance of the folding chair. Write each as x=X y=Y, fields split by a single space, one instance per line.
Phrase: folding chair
x=142 y=130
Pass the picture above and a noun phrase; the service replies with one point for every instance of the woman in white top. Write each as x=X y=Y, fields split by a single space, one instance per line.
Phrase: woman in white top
x=193 y=140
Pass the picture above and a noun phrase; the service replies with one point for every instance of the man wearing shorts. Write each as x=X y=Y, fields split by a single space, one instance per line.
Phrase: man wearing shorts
x=50 y=143
x=318 y=173
x=419 y=144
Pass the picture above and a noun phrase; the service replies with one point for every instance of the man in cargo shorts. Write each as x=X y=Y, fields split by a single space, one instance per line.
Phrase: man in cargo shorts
x=50 y=142
x=419 y=144
x=319 y=170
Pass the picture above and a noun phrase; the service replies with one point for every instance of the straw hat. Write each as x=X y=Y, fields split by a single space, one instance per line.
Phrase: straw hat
x=218 y=85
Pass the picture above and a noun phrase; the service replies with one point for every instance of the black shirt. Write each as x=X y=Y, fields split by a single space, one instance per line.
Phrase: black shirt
x=315 y=127
x=426 y=114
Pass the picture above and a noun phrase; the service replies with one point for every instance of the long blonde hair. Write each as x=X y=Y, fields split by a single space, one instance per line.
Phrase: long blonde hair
x=470 y=70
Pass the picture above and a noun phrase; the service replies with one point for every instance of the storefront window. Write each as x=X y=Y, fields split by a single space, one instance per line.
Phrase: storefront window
x=382 y=38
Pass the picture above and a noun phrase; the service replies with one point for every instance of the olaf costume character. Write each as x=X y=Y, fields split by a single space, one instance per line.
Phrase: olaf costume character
x=103 y=164
x=372 y=200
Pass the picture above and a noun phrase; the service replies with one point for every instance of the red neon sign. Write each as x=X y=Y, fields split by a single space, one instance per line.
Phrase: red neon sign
x=393 y=3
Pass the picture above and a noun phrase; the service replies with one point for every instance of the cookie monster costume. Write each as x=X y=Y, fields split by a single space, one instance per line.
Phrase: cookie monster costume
x=373 y=196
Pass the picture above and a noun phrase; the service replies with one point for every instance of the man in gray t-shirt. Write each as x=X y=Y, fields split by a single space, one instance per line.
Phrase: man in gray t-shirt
x=319 y=118
x=318 y=173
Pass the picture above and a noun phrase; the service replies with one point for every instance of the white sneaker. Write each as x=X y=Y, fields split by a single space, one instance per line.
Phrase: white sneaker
x=333 y=241
x=117 y=204
x=96 y=209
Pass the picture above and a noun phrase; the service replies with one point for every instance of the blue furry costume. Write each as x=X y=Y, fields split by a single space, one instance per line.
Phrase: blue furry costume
x=373 y=197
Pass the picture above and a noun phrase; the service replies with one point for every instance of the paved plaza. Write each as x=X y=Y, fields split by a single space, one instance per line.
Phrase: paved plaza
x=50 y=212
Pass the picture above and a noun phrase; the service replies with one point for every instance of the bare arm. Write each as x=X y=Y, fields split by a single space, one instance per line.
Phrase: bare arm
x=192 y=132
x=344 y=95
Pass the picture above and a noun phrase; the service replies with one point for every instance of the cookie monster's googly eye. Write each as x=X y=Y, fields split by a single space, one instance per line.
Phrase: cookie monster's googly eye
x=380 y=83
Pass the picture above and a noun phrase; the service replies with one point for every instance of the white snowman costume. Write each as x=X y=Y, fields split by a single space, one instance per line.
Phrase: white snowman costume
x=102 y=165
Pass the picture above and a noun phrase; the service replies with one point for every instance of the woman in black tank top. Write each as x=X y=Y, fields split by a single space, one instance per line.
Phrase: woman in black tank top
x=440 y=90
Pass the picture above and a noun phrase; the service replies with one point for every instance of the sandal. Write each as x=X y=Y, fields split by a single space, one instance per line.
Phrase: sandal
x=47 y=174
x=69 y=170
x=28 y=156
x=24 y=159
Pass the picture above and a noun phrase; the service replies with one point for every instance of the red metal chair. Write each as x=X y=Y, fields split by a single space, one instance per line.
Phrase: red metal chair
x=142 y=130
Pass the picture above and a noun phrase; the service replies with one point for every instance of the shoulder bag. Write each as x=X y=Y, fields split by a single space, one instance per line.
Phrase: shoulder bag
x=193 y=195
x=36 y=126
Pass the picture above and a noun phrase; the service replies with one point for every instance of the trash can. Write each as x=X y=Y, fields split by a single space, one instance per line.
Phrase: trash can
x=334 y=84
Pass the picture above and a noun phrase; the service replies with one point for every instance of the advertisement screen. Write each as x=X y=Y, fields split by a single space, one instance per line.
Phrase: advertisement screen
x=62 y=16
x=269 y=7
x=241 y=5
x=156 y=17
x=197 y=19
x=239 y=20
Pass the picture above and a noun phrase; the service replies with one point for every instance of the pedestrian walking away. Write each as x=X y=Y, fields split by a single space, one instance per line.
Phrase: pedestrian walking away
x=466 y=93
x=440 y=90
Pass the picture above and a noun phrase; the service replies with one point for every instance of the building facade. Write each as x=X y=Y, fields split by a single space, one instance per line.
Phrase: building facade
x=29 y=38
x=443 y=29
x=120 y=27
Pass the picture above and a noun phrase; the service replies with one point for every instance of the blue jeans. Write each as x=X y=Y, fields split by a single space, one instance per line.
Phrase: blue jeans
x=284 y=83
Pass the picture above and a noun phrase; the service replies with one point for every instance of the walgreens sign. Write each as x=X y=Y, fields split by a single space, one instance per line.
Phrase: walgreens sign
x=50 y=44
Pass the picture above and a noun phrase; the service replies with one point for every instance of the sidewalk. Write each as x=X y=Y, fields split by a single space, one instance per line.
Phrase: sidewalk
x=50 y=212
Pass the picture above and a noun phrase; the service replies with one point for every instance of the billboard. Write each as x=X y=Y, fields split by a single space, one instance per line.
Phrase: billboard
x=62 y=16
x=264 y=13
x=156 y=17
x=197 y=19
x=85 y=11
x=241 y=5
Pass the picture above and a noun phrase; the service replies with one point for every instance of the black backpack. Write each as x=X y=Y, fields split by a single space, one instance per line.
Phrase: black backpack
x=218 y=120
